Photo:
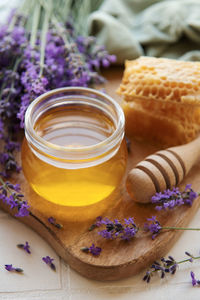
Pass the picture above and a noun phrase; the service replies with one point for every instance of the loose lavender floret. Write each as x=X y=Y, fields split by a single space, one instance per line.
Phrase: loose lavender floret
x=194 y=280
x=96 y=224
x=10 y=195
x=95 y=251
x=115 y=229
x=49 y=261
x=169 y=199
x=52 y=221
x=153 y=226
x=25 y=246
x=11 y=268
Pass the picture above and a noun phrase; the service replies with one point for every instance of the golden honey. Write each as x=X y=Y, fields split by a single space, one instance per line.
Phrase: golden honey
x=74 y=153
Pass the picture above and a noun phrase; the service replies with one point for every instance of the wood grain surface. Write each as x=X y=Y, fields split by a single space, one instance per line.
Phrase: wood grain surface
x=119 y=259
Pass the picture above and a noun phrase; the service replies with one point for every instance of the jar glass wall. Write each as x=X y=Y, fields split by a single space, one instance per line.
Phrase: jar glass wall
x=74 y=153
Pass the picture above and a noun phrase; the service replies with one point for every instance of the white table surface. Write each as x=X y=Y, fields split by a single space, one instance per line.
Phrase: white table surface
x=41 y=283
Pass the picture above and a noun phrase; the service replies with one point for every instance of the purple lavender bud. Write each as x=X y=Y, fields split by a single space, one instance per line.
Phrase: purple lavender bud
x=95 y=250
x=98 y=221
x=194 y=282
x=51 y=220
x=105 y=62
x=85 y=249
x=10 y=268
x=23 y=210
x=188 y=254
x=112 y=58
x=25 y=246
x=188 y=187
x=106 y=234
x=153 y=226
x=49 y=261
x=147 y=277
x=169 y=199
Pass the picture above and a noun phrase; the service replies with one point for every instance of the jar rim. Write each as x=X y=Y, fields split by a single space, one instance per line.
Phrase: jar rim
x=40 y=142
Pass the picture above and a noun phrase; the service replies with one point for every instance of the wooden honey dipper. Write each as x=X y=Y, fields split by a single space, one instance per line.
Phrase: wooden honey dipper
x=162 y=170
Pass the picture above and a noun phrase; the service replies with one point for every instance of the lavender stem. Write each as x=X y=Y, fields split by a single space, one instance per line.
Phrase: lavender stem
x=36 y=18
x=188 y=259
x=45 y=27
x=180 y=228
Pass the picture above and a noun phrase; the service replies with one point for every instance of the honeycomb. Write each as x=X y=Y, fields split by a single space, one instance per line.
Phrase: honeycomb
x=162 y=99
x=162 y=79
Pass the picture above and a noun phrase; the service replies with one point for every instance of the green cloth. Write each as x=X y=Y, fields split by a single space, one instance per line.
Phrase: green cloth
x=130 y=28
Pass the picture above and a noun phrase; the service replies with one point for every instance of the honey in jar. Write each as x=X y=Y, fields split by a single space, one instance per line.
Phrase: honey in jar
x=74 y=153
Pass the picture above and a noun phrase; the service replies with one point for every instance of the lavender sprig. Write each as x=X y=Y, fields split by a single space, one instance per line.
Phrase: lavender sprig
x=169 y=199
x=10 y=195
x=116 y=229
x=154 y=226
x=165 y=266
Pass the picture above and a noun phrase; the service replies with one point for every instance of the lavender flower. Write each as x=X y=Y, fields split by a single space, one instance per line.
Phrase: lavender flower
x=25 y=246
x=10 y=268
x=164 y=266
x=153 y=226
x=95 y=251
x=7 y=159
x=194 y=280
x=49 y=261
x=10 y=195
x=169 y=199
x=170 y=266
x=115 y=229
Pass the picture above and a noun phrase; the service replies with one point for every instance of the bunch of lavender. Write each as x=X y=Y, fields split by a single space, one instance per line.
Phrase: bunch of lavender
x=172 y=198
x=169 y=265
x=41 y=50
x=11 y=196
x=116 y=229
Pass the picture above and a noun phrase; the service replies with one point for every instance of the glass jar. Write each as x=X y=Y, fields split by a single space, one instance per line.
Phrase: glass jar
x=74 y=153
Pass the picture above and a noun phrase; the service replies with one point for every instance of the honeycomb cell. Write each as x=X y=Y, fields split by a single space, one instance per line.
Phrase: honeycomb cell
x=154 y=90
x=138 y=90
x=146 y=91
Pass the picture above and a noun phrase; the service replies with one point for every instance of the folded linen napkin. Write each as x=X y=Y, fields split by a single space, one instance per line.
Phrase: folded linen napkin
x=130 y=28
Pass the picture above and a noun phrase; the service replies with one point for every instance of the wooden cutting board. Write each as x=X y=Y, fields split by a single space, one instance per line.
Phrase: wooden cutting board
x=119 y=259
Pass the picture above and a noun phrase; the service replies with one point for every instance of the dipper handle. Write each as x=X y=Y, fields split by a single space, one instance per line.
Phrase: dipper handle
x=162 y=170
